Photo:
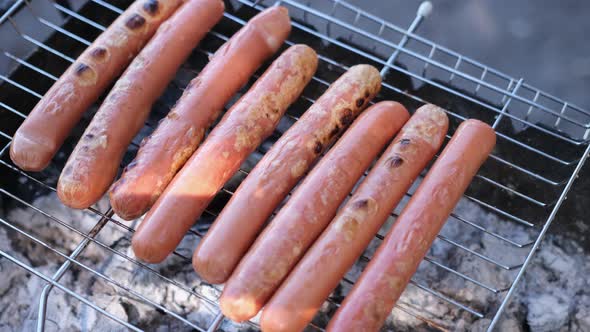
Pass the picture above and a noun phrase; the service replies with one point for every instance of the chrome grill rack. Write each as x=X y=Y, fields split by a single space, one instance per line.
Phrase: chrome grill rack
x=543 y=142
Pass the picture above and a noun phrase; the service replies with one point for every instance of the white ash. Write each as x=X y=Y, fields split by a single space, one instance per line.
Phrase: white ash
x=553 y=295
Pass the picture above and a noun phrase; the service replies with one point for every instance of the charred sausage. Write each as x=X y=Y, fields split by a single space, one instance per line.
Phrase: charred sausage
x=93 y=165
x=180 y=133
x=295 y=303
x=242 y=129
x=280 y=169
x=311 y=207
x=50 y=122
x=375 y=293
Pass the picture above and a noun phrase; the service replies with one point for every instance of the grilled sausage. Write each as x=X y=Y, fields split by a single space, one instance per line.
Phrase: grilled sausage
x=311 y=207
x=279 y=170
x=242 y=129
x=93 y=165
x=295 y=303
x=50 y=122
x=180 y=133
x=371 y=300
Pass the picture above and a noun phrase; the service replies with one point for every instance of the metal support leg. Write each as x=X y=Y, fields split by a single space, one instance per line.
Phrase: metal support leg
x=505 y=107
x=65 y=267
x=423 y=11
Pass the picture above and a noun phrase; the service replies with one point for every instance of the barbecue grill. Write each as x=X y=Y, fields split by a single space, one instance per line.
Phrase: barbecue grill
x=542 y=145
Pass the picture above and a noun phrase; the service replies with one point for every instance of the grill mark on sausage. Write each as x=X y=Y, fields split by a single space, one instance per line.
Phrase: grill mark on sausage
x=81 y=68
x=404 y=143
x=151 y=7
x=318 y=147
x=335 y=131
x=135 y=22
x=347 y=117
x=85 y=73
x=99 y=53
x=360 y=102
x=362 y=204
x=395 y=161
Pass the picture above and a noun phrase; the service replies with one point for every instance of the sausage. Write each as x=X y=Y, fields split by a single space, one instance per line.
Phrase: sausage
x=242 y=129
x=279 y=170
x=311 y=207
x=180 y=133
x=50 y=122
x=371 y=300
x=300 y=296
x=93 y=165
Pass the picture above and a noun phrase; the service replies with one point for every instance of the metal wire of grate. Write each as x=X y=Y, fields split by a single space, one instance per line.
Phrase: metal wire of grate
x=542 y=140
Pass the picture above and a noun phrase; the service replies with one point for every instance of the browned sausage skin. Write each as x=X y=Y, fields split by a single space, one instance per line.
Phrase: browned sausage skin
x=308 y=211
x=398 y=257
x=280 y=169
x=50 y=122
x=163 y=153
x=242 y=129
x=295 y=303
x=93 y=164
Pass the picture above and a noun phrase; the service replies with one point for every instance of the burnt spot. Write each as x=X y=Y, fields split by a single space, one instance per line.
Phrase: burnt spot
x=395 y=162
x=151 y=7
x=360 y=102
x=335 y=131
x=362 y=204
x=404 y=142
x=135 y=22
x=347 y=117
x=367 y=94
x=81 y=68
x=99 y=53
x=86 y=75
x=88 y=136
x=318 y=147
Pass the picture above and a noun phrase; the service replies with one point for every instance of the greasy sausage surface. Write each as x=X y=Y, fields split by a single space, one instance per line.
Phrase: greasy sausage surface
x=295 y=303
x=179 y=134
x=242 y=129
x=280 y=169
x=93 y=164
x=311 y=207
x=375 y=293
x=50 y=122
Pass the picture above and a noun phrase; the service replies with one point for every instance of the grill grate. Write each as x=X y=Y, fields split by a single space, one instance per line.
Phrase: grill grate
x=542 y=142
